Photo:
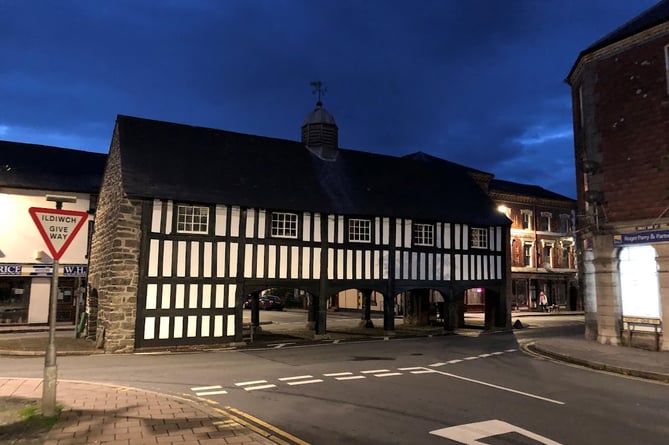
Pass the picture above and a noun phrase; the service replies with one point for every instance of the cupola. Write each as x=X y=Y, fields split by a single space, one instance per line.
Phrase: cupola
x=320 y=132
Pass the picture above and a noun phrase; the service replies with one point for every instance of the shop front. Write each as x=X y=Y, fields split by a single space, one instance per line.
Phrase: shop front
x=25 y=290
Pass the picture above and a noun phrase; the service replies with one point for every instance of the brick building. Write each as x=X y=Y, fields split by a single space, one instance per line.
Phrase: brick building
x=542 y=244
x=620 y=96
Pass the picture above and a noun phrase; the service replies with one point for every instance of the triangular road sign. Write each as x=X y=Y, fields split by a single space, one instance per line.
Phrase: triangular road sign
x=57 y=227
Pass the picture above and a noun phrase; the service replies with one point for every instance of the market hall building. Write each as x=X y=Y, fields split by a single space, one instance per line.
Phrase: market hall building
x=191 y=219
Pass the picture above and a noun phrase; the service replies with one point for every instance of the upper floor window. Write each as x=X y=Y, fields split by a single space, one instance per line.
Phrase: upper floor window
x=566 y=253
x=423 y=234
x=527 y=254
x=360 y=230
x=284 y=225
x=546 y=221
x=548 y=255
x=192 y=219
x=526 y=219
x=565 y=223
x=479 y=237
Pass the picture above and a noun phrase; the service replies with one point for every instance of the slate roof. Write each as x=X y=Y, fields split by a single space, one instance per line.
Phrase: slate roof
x=649 y=18
x=29 y=166
x=194 y=164
x=535 y=191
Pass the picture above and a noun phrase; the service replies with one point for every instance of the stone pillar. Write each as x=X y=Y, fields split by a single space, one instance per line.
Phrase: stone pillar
x=662 y=250
x=589 y=292
x=607 y=284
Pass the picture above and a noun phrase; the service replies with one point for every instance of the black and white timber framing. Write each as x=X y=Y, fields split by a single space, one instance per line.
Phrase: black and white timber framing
x=189 y=286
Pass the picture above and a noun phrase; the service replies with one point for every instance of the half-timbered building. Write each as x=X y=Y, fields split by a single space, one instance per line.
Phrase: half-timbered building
x=191 y=219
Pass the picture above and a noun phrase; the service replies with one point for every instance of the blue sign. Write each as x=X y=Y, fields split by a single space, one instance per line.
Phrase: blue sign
x=656 y=236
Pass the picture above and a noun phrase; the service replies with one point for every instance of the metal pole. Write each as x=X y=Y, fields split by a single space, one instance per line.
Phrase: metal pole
x=50 y=368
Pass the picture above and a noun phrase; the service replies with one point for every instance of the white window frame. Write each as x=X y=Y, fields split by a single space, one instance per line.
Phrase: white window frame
x=479 y=237
x=192 y=219
x=565 y=223
x=548 y=215
x=360 y=230
x=284 y=225
x=531 y=254
x=523 y=214
x=423 y=234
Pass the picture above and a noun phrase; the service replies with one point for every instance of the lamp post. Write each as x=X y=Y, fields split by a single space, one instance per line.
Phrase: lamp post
x=50 y=367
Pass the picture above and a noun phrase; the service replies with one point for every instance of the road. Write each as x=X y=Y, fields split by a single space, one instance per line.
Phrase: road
x=401 y=391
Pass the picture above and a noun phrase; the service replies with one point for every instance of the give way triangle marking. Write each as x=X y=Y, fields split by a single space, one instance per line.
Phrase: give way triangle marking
x=471 y=433
x=58 y=227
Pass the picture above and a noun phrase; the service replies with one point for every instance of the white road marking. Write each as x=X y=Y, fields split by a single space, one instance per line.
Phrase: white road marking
x=211 y=393
x=337 y=374
x=351 y=377
x=510 y=350
x=470 y=433
x=497 y=353
x=388 y=374
x=454 y=361
x=503 y=388
x=205 y=388
x=255 y=388
x=253 y=382
x=284 y=379
x=423 y=371
x=374 y=371
x=470 y=358
x=484 y=355
x=305 y=382
x=413 y=368
x=436 y=365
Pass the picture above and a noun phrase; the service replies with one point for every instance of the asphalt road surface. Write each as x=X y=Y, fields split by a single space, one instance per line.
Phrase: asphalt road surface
x=478 y=389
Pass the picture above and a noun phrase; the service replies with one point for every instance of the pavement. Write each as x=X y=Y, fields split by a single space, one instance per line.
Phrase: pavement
x=104 y=414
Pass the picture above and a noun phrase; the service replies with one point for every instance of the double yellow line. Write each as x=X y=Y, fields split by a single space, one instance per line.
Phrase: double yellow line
x=261 y=427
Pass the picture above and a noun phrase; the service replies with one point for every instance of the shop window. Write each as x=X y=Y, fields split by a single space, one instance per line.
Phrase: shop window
x=639 y=283
x=14 y=300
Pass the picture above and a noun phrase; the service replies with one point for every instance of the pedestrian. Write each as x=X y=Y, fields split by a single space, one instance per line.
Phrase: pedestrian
x=543 y=301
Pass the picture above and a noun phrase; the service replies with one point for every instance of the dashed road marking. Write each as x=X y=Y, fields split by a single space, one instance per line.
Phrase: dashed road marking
x=255 y=385
x=338 y=374
x=298 y=377
x=304 y=382
x=387 y=374
x=208 y=390
x=256 y=388
x=351 y=377
x=374 y=371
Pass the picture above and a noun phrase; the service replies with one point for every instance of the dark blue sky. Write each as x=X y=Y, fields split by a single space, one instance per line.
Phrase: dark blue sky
x=478 y=82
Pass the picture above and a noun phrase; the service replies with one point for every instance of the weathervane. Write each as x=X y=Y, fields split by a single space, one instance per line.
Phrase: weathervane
x=318 y=88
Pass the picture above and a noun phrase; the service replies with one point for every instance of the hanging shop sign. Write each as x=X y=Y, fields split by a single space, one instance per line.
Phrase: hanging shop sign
x=42 y=270
x=627 y=239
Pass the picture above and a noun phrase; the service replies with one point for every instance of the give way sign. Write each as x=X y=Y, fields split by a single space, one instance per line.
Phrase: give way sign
x=57 y=227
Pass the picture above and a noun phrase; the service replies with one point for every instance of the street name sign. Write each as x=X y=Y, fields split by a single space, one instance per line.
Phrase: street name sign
x=58 y=227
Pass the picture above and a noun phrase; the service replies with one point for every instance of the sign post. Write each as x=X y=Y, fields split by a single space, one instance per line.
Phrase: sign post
x=58 y=228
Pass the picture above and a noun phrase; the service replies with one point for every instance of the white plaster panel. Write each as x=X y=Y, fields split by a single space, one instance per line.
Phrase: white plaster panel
x=153 y=257
x=306 y=262
x=447 y=267
x=398 y=232
x=283 y=261
x=377 y=230
x=191 y=330
x=206 y=296
x=306 y=226
x=317 y=227
x=407 y=233
x=248 y=261
x=221 y=220
x=331 y=229
x=165 y=298
x=204 y=331
x=164 y=328
x=437 y=268
x=331 y=264
x=294 y=262
x=349 y=264
x=465 y=237
x=385 y=237
x=180 y=296
x=340 y=229
x=168 y=217
x=500 y=275
x=261 y=224
x=405 y=261
x=486 y=275
x=317 y=264
x=368 y=265
x=220 y=260
x=192 y=296
x=155 y=215
x=206 y=266
x=149 y=328
x=479 y=267
x=465 y=267
x=194 y=259
x=385 y=264
x=220 y=296
x=235 y=214
x=181 y=258
x=232 y=272
x=167 y=259
x=457 y=236
x=498 y=247
x=151 y=296
x=178 y=327
x=250 y=223
x=430 y=267
x=232 y=294
x=358 y=264
x=439 y=235
x=271 y=261
x=218 y=326
x=340 y=264
x=414 y=265
x=457 y=268
x=377 y=265
x=231 y=325
x=447 y=236
x=260 y=263
x=492 y=267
